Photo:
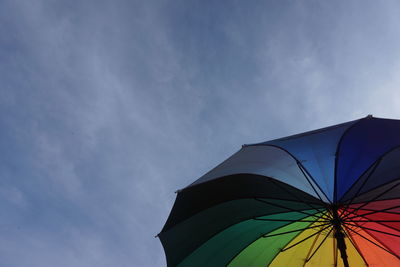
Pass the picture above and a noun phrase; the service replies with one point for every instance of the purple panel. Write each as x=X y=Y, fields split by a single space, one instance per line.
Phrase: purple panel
x=361 y=146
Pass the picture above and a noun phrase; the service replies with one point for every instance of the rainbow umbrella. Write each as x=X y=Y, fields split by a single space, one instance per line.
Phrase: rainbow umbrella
x=329 y=197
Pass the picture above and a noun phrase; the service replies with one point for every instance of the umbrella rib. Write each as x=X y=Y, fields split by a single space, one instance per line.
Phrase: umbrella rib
x=232 y=258
x=281 y=206
x=373 y=243
x=372 y=212
x=374 y=165
x=365 y=181
x=337 y=154
x=304 y=239
x=362 y=195
x=181 y=221
x=279 y=220
x=308 y=180
x=378 y=222
x=311 y=248
x=371 y=229
x=389 y=212
x=318 y=218
x=381 y=194
x=287 y=191
x=299 y=164
x=304 y=171
x=276 y=213
x=241 y=250
x=378 y=240
x=320 y=244
x=293 y=231
x=354 y=245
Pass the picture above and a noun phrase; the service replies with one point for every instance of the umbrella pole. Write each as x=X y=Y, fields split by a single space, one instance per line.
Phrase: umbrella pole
x=339 y=235
x=342 y=247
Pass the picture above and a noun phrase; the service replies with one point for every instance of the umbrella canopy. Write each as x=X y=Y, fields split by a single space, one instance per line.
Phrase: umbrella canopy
x=329 y=197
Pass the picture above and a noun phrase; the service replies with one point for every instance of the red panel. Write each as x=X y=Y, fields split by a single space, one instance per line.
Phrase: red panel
x=394 y=204
x=374 y=255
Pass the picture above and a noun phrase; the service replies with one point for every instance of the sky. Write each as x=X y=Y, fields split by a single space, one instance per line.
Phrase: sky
x=108 y=107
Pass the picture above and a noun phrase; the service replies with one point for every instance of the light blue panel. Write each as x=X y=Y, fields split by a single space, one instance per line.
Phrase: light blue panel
x=316 y=152
x=262 y=160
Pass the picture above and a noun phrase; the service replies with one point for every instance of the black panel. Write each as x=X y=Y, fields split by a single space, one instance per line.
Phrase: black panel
x=202 y=196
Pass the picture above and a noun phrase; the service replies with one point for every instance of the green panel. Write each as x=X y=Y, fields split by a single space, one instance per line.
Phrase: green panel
x=263 y=250
x=181 y=240
x=223 y=247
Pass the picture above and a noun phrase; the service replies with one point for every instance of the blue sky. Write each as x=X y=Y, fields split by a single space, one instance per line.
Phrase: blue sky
x=108 y=107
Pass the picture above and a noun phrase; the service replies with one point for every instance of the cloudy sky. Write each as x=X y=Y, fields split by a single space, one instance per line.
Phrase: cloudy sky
x=108 y=107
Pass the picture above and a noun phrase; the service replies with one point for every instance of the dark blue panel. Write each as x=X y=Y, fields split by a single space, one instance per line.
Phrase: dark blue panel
x=383 y=172
x=361 y=146
x=316 y=151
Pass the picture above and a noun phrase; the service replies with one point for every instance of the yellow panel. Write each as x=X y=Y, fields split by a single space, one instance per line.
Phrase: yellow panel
x=297 y=255
x=353 y=256
x=325 y=255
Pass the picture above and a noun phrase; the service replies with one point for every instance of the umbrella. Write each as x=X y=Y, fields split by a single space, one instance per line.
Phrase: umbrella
x=329 y=197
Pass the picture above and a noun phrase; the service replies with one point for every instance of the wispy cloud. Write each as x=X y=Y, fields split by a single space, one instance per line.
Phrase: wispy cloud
x=106 y=108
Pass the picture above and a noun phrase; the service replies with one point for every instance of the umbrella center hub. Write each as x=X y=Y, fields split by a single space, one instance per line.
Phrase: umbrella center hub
x=337 y=222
